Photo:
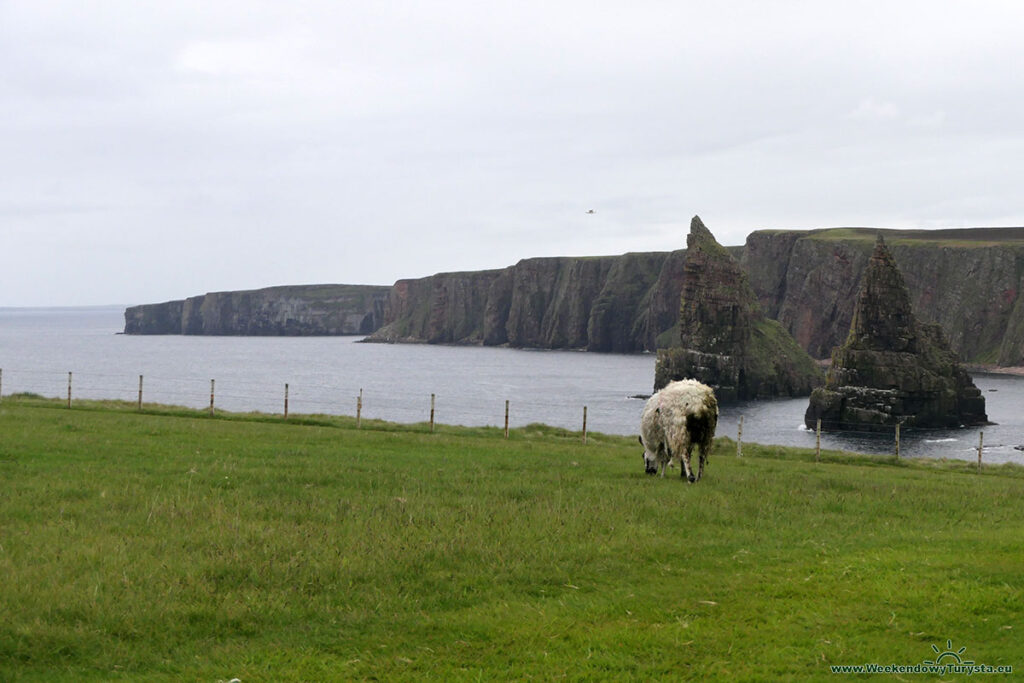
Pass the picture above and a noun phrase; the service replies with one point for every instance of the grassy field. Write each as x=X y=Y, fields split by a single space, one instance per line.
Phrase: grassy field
x=171 y=546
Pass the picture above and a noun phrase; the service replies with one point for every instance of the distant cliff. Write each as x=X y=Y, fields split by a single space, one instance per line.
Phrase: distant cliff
x=968 y=281
x=603 y=303
x=297 y=310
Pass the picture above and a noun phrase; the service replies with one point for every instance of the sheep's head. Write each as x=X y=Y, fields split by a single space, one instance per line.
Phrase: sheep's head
x=650 y=459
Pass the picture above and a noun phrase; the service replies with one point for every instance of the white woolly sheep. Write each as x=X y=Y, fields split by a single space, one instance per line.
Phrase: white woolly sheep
x=683 y=414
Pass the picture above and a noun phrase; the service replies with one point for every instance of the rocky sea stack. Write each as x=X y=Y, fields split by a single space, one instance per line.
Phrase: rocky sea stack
x=893 y=368
x=725 y=338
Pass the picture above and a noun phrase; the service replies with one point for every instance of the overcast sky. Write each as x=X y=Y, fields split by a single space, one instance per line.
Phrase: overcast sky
x=156 y=150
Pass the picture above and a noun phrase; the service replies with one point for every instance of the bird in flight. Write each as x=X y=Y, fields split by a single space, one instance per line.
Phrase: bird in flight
x=591 y=211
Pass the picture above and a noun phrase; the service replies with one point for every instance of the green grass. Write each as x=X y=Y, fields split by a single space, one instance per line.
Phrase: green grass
x=963 y=239
x=170 y=546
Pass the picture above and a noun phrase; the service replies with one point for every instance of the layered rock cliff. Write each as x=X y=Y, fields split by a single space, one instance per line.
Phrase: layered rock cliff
x=606 y=303
x=299 y=310
x=893 y=368
x=968 y=281
x=725 y=340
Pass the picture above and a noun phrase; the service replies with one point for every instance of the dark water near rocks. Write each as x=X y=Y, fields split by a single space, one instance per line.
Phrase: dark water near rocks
x=38 y=347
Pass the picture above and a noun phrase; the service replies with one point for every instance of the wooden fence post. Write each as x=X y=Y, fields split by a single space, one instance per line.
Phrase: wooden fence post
x=140 y=392
x=817 y=442
x=739 y=439
x=897 y=440
x=981 y=441
x=506 y=418
x=286 y=400
x=431 y=413
x=359 y=410
x=584 y=425
x=211 y=398
x=69 y=389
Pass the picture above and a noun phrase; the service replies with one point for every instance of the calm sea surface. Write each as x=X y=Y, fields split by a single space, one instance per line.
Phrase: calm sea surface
x=38 y=347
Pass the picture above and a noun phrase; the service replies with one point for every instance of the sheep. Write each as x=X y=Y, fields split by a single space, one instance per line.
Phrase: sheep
x=681 y=415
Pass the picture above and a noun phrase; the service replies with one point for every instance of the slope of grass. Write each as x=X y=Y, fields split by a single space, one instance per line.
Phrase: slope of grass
x=172 y=546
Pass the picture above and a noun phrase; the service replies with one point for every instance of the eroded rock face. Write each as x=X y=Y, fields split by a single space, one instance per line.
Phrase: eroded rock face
x=448 y=308
x=605 y=303
x=893 y=369
x=297 y=310
x=725 y=340
x=970 y=281
x=620 y=317
x=552 y=299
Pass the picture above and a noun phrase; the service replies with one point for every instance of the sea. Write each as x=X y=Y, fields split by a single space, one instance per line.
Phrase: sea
x=43 y=349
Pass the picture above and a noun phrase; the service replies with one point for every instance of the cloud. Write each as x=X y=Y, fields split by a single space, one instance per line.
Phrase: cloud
x=240 y=144
x=933 y=121
x=871 y=109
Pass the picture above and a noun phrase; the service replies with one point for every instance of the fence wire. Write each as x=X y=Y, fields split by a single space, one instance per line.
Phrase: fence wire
x=321 y=397
x=332 y=396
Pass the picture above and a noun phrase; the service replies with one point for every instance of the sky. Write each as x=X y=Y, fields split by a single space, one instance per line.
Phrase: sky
x=154 y=150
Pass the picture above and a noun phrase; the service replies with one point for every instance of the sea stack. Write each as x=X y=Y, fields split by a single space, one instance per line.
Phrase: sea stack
x=893 y=368
x=726 y=341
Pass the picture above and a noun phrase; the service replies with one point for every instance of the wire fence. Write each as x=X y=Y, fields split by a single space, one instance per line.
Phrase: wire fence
x=885 y=439
x=332 y=396
x=237 y=394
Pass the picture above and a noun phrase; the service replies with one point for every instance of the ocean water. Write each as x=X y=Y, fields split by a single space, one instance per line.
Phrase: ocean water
x=39 y=347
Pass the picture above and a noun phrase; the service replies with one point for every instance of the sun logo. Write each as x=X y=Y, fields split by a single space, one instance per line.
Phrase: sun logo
x=948 y=653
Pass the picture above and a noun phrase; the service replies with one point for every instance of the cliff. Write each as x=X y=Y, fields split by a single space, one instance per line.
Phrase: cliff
x=448 y=308
x=298 y=310
x=893 y=369
x=968 y=281
x=604 y=303
x=725 y=340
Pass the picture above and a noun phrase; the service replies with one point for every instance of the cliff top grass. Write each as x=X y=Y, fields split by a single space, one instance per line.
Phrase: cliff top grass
x=168 y=545
x=492 y=272
x=956 y=237
x=314 y=292
x=319 y=292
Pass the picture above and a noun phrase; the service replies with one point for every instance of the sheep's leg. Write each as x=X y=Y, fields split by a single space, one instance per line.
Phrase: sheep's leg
x=687 y=471
x=703 y=459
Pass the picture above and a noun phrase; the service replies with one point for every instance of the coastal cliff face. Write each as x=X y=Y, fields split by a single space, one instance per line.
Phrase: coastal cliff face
x=551 y=300
x=967 y=281
x=447 y=308
x=300 y=310
x=636 y=303
x=612 y=303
